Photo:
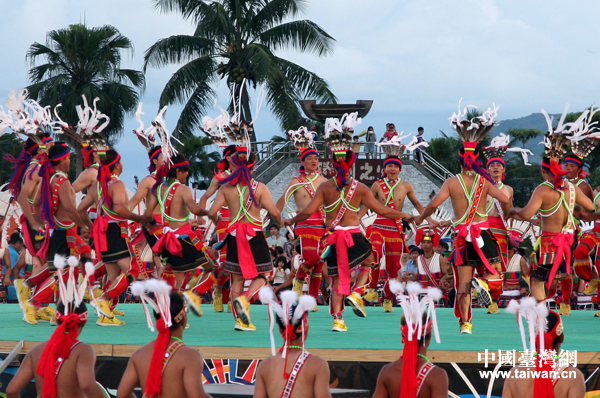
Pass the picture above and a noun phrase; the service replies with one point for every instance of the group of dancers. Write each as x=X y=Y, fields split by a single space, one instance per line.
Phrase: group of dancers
x=107 y=238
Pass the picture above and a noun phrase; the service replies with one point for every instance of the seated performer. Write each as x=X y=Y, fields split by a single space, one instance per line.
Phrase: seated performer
x=293 y=372
x=515 y=272
x=180 y=245
x=348 y=253
x=165 y=367
x=555 y=200
x=110 y=233
x=432 y=266
x=310 y=232
x=564 y=381
x=413 y=375
x=62 y=366
x=389 y=235
x=248 y=257
x=474 y=244
x=225 y=168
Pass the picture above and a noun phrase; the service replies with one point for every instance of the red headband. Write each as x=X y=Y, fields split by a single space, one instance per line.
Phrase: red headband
x=397 y=162
x=47 y=140
x=63 y=155
x=306 y=152
x=496 y=160
x=180 y=165
x=155 y=154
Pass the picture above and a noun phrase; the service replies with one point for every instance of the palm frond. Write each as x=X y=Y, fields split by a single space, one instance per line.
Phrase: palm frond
x=186 y=79
x=303 y=36
x=177 y=49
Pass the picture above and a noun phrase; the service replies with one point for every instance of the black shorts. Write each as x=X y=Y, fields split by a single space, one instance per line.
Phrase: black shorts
x=191 y=258
x=489 y=249
x=541 y=272
x=357 y=253
x=58 y=245
x=150 y=237
x=117 y=245
x=260 y=253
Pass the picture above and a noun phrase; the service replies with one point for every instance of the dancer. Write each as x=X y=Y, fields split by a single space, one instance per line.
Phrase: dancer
x=292 y=372
x=563 y=380
x=432 y=266
x=180 y=245
x=310 y=232
x=62 y=366
x=386 y=233
x=110 y=233
x=474 y=244
x=248 y=257
x=348 y=253
x=555 y=199
x=413 y=375
x=165 y=366
x=225 y=168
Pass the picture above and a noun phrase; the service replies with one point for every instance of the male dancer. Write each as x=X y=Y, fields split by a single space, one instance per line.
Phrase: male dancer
x=348 y=251
x=303 y=188
x=62 y=366
x=563 y=381
x=386 y=233
x=432 y=266
x=496 y=167
x=166 y=366
x=91 y=164
x=54 y=204
x=179 y=244
x=225 y=167
x=474 y=245
x=295 y=372
x=516 y=269
x=24 y=185
x=110 y=232
x=555 y=199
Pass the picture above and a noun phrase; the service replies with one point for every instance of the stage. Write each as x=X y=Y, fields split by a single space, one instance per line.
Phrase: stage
x=355 y=356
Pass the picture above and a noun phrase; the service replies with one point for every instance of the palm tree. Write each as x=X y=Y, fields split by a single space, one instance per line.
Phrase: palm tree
x=202 y=163
x=85 y=61
x=236 y=40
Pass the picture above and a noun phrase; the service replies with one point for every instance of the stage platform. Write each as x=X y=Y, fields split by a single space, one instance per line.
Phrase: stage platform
x=355 y=357
x=372 y=339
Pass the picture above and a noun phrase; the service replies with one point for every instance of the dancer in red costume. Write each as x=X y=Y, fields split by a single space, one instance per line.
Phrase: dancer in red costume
x=180 y=244
x=386 y=233
x=346 y=250
x=310 y=232
x=225 y=168
x=110 y=232
x=474 y=244
x=555 y=199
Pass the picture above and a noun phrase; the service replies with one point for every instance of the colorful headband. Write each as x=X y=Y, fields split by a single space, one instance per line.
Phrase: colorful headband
x=61 y=156
x=397 y=162
x=307 y=152
x=156 y=154
x=180 y=165
x=496 y=160
x=47 y=140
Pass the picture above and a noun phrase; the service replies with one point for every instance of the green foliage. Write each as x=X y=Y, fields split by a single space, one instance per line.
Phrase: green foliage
x=202 y=162
x=236 y=40
x=81 y=60
x=523 y=135
x=9 y=145
x=523 y=179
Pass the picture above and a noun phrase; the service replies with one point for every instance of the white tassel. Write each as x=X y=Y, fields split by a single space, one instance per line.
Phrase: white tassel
x=60 y=262
x=305 y=303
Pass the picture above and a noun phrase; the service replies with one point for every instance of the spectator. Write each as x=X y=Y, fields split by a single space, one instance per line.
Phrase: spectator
x=13 y=260
x=288 y=246
x=280 y=271
x=275 y=239
x=370 y=140
x=420 y=152
x=356 y=144
x=410 y=272
x=390 y=132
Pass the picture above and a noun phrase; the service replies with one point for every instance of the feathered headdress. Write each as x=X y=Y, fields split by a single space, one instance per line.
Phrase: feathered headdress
x=540 y=338
x=59 y=346
x=304 y=142
x=338 y=134
x=291 y=316
x=415 y=329
x=239 y=132
x=556 y=141
x=215 y=128
x=498 y=148
x=425 y=229
x=584 y=137
x=164 y=136
x=518 y=231
x=21 y=164
x=147 y=138
x=161 y=304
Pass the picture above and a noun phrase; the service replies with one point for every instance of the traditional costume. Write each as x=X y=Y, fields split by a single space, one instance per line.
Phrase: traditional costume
x=345 y=247
x=513 y=278
x=430 y=272
x=474 y=244
x=309 y=231
x=414 y=330
x=292 y=318
x=163 y=347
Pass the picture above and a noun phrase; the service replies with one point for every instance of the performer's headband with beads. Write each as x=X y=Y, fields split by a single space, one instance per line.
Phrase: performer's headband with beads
x=472 y=131
x=339 y=132
x=291 y=315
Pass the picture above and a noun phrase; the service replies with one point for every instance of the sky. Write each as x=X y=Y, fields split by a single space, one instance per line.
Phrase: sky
x=415 y=59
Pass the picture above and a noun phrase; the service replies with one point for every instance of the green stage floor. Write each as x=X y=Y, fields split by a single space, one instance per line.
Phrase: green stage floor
x=379 y=331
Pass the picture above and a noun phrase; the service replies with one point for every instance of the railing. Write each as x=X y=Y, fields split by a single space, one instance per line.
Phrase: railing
x=271 y=153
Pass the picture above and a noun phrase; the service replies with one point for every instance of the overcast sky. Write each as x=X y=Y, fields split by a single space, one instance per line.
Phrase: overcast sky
x=414 y=59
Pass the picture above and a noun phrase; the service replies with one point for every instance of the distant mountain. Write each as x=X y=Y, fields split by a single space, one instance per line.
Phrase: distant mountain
x=533 y=121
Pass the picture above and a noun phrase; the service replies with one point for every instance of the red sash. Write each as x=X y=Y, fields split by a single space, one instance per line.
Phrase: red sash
x=390 y=203
x=169 y=240
x=28 y=239
x=428 y=271
x=289 y=386
x=423 y=374
x=60 y=362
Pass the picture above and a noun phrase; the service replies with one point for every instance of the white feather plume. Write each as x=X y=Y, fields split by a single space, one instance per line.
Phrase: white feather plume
x=89 y=268
x=305 y=303
x=60 y=262
x=396 y=286
x=288 y=298
x=513 y=307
